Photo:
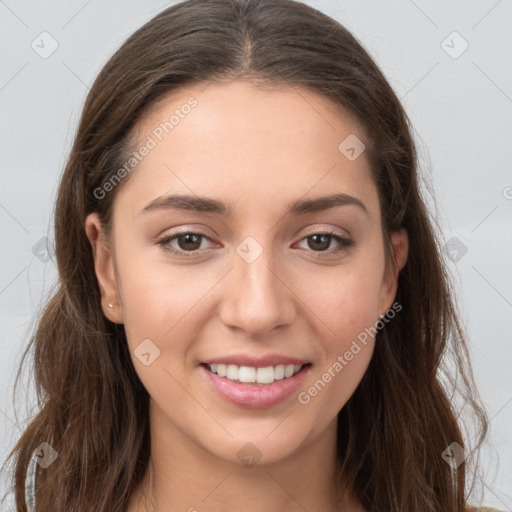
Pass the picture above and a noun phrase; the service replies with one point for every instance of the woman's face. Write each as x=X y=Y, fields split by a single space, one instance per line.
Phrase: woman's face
x=238 y=273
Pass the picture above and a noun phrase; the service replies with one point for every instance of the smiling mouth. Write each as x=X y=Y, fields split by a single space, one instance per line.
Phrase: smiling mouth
x=255 y=375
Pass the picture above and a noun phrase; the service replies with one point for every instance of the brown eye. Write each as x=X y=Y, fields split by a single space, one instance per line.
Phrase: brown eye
x=320 y=242
x=189 y=241
x=184 y=244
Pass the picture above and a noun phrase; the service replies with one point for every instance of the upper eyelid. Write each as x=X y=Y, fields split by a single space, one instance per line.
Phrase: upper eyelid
x=345 y=233
x=318 y=231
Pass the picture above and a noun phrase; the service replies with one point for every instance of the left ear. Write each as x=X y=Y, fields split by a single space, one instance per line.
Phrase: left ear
x=399 y=252
x=104 y=268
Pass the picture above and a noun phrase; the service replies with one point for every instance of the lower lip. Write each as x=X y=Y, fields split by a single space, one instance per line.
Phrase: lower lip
x=255 y=396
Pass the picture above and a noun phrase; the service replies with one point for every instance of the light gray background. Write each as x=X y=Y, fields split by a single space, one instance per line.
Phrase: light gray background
x=460 y=107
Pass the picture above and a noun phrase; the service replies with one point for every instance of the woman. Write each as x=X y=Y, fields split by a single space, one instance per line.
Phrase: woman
x=252 y=311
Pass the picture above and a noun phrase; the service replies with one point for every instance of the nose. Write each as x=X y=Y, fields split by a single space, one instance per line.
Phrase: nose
x=257 y=297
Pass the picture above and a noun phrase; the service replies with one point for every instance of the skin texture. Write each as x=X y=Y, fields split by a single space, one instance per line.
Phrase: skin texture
x=258 y=150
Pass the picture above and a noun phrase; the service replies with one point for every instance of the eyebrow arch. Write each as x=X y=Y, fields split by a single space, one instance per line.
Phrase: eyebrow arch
x=207 y=205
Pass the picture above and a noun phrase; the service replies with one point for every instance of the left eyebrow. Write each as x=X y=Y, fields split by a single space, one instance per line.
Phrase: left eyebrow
x=208 y=205
x=302 y=206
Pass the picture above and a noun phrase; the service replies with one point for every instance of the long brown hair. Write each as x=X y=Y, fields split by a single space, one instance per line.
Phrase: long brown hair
x=94 y=409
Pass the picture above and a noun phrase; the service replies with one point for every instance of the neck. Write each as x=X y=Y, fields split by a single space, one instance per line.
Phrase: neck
x=183 y=476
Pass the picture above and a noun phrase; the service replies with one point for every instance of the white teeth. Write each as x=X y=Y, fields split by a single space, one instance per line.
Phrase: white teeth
x=246 y=374
x=279 y=372
x=265 y=375
x=232 y=372
x=288 y=370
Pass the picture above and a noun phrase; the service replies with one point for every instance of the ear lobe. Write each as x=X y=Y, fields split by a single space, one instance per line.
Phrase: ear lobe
x=399 y=253
x=104 y=268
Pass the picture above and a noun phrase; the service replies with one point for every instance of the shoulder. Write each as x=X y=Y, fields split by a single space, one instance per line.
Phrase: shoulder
x=483 y=509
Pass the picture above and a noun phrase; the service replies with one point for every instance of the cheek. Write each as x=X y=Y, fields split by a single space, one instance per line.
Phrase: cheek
x=347 y=303
x=350 y=314
x=157 y=300
x=163 y=302
x=161 y=305
x=352 y=317
x=346 y=300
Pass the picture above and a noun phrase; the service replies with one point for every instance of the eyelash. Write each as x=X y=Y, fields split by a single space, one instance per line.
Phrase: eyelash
x=345 y=243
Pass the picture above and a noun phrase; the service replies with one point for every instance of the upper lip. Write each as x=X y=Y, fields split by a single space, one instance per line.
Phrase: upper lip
x=256 y=361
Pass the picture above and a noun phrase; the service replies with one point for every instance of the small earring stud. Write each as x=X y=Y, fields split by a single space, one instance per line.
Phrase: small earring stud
x=110 y=305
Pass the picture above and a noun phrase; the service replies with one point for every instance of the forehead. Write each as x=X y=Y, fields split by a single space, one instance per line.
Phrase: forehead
x=249 y=114
x=256 y=145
